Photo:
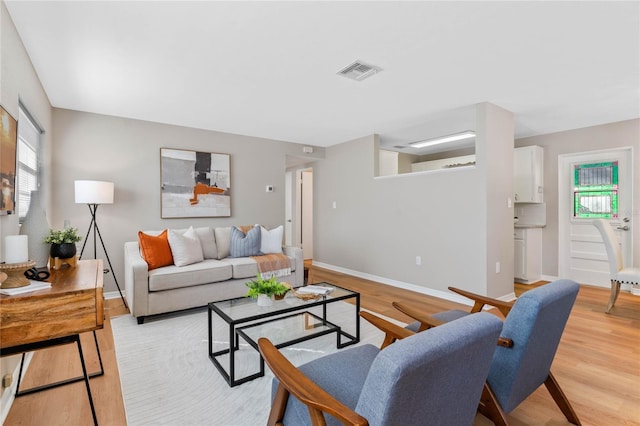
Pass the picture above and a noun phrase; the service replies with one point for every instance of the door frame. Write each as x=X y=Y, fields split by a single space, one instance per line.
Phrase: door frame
x=565 y=200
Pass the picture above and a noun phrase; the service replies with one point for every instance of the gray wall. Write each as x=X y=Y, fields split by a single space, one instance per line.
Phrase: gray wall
x=607 y=136
x=19 y=81
x=448 y=218
x=127 y=152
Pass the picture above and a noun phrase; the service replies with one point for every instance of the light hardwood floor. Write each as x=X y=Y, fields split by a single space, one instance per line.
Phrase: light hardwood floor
x=597 y=364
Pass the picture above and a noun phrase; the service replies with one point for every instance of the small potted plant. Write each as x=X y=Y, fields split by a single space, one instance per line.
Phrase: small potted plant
x=265 y=289
x=63 y=242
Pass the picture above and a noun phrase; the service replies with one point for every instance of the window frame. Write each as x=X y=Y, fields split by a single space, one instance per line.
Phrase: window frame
x=31 y=138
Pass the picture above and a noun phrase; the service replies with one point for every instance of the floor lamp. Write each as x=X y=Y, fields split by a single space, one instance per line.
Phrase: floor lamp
x=93 y=193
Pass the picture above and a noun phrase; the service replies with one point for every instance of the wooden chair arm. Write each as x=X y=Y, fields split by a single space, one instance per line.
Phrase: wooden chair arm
x=480 y=301
x=303 y=388
x=392 y=331
x=427 y=321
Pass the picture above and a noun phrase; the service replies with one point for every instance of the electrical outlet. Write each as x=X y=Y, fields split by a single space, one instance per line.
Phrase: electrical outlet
x=418 y=260
x=497 y=267
x=7 y=380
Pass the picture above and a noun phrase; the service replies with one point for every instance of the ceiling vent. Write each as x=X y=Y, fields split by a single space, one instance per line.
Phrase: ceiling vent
x=359 y=71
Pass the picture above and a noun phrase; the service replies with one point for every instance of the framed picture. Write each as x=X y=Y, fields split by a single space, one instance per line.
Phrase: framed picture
x=194 y=184
x=8 y=148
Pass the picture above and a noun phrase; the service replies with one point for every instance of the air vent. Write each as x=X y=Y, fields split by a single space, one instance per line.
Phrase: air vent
x=400 y=146
x=359 y=71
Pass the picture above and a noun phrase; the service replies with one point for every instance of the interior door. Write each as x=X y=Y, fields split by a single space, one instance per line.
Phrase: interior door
x=582 y=255
x=306 y=222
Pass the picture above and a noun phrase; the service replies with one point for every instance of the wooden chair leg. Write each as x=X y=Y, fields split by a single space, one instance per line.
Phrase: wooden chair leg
x=490 y=408
x=561 y=399
x=615 y=291
x=317 y=418
x=278 y=406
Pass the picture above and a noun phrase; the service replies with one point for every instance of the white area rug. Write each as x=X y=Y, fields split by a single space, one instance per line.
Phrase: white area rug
x=168 y=379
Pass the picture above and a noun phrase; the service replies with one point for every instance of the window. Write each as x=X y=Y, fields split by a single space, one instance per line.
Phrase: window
x=28 y=161
x=595 y=192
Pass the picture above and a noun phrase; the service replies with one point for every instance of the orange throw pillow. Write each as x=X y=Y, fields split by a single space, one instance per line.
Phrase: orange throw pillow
x=155 y=250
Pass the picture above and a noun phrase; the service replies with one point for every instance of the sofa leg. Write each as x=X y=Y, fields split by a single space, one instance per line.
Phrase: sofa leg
x=140 y=320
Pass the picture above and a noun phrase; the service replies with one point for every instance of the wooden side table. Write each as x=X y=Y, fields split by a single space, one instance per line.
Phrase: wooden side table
x=55 y=316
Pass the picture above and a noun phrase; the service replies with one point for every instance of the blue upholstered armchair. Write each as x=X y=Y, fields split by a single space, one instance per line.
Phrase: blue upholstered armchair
x=435 y=377
x=528 y=342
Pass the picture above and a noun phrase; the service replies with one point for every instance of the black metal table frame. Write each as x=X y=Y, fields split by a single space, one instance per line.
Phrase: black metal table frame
x=275 y=316
x=74 y=338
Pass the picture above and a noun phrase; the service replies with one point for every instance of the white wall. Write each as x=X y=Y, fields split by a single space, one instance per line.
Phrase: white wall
x=607 y=136
x=380 y=225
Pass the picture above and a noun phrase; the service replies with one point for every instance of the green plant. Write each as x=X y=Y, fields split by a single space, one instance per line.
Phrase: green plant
x=270 y=287
x=62 y=236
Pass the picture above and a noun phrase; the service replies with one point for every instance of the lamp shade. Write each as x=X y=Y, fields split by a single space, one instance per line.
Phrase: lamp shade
x=94 y=192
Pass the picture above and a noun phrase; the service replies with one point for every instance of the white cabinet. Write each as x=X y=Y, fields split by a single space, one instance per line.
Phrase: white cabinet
x=527 y=172
x=527 y=254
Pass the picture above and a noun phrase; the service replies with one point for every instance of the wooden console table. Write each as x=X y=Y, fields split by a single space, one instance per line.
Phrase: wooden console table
x=55 y=316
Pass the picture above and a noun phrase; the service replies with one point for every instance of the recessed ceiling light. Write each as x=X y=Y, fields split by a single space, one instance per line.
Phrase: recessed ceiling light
x=444 y=139
x=359 y=71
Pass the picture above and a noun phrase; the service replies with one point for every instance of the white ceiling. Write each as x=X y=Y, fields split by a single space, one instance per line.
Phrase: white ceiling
x=268 y=69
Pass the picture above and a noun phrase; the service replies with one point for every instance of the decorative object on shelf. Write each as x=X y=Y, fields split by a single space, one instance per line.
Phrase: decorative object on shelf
x=37 y=274
x=194 y=184
x=306 y=296
x=63 y=242
x=265 y=300
x=281 y=296
x=16 y=248
x=36 y=227
x=93 y=193
x=266 y=289
x=8 y=149
x=63 y=247
x=312 y=292
x=15 y=273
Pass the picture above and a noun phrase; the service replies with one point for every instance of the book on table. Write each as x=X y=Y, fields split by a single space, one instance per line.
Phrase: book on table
x=33 y=286
x=315 y=289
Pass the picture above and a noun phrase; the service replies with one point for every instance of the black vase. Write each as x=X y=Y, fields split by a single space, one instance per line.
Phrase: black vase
x=63 y=251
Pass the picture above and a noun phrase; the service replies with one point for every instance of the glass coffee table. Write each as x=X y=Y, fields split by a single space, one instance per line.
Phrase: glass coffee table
x=287 y=322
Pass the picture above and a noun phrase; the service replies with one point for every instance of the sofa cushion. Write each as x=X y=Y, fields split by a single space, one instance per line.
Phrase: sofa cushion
x=155 y=250
x=185 y=248
x=271 y=241
x=205 y=272
x=223 y=241
x=243 y=267
x=243 y=245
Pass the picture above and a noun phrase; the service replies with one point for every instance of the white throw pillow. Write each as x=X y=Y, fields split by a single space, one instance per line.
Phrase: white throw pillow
x=271 y=241
x=223 y=241
x=185 y=248
x=208 y=242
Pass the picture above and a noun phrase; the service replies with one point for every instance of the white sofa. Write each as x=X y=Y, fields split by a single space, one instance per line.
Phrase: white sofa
x=174 y=288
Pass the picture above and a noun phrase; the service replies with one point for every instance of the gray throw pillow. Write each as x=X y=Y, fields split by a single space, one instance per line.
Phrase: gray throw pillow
x=245 y=245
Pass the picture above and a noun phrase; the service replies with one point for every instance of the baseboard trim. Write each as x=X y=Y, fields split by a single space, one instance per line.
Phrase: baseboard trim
x=112 y=295
x=452 y=297
x=9 y=394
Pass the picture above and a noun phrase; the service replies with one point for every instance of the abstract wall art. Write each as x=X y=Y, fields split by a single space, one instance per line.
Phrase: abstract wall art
x=195 y=184
x=8 y=147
